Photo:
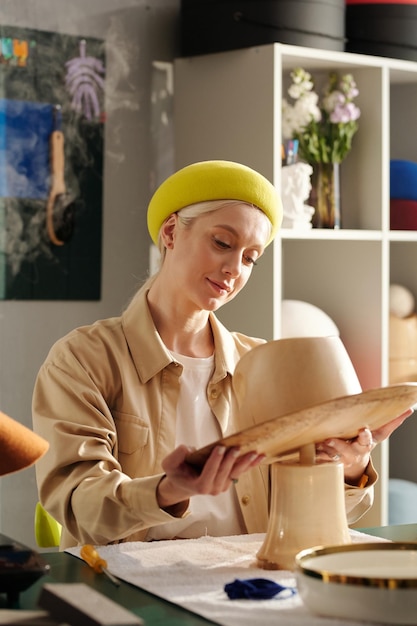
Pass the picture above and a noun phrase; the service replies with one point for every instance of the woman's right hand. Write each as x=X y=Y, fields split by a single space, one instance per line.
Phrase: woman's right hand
x=182 y=480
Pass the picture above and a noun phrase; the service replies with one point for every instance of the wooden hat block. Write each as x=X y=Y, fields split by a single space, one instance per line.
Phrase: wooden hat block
x=307 y=498
x=292 y=394
x=307 y=510
x=288 y=375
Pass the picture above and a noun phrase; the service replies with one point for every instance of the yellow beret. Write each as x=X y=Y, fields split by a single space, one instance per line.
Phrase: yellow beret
x=213 y=180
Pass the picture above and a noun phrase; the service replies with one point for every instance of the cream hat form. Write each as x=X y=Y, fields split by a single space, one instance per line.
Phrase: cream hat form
x=293 y=374
x=307 y=499
x=293 y=393
x=298 y=391
x=303 y=319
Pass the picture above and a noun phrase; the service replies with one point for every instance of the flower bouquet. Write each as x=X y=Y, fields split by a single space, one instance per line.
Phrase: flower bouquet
x=324 y=131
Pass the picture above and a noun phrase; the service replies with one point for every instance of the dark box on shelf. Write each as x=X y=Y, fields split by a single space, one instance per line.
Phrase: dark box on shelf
x=218 y=25
x=382 y=29
x=403 y=215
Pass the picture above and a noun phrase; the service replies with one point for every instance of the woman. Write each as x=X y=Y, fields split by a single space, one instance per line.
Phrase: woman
x=123 y=400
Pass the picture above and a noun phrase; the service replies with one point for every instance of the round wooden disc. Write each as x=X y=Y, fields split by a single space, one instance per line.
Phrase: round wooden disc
x=341 y=418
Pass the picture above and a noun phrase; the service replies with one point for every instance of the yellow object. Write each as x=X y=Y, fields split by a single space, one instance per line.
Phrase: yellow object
x=47 y=529
x=213 y=180
x=94 y=560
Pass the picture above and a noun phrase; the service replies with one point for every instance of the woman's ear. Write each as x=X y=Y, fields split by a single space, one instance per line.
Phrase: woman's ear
x=168 y=230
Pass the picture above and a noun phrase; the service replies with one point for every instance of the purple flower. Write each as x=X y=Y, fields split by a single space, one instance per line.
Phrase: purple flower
x=324 y=130
x=344 y=113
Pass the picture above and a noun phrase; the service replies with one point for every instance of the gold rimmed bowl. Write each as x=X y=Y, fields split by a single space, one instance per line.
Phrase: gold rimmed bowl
x=374 y=582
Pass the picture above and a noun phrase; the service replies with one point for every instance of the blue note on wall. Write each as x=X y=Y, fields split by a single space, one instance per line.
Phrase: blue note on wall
x=25 y=128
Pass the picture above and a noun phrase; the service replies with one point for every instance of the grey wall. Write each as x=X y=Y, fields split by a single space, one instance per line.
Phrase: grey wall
x=136 y=33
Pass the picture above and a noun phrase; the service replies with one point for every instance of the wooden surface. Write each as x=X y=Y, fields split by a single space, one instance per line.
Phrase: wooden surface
x=341 y=418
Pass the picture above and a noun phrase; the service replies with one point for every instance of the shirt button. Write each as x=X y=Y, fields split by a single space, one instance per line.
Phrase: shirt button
x=245 y=500
x=214 y=393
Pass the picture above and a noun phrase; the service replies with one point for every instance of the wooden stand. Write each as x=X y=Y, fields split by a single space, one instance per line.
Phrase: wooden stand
x=307 y=510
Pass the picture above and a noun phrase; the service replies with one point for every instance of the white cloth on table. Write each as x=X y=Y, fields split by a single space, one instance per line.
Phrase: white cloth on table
x=193 y=572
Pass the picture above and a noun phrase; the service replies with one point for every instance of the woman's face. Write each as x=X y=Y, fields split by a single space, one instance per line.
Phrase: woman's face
x=213 y=256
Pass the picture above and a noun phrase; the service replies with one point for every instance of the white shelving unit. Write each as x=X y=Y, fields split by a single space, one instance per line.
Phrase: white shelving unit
x=228 y=106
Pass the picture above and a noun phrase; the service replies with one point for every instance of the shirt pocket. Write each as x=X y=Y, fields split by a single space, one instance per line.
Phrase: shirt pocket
x=132 y=432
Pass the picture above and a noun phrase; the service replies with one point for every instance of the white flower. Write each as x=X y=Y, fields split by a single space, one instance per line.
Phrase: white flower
x=296 y=117
x=332 y=100
x=324 y=131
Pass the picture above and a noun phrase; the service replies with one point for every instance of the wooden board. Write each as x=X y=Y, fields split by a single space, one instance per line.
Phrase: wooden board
x=341 y=418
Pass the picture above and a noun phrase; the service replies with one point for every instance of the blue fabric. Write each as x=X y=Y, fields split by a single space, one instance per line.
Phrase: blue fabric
x=256 y=589
x=403 y=180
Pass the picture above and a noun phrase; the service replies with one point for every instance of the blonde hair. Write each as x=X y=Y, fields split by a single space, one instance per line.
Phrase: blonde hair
x=188 y=214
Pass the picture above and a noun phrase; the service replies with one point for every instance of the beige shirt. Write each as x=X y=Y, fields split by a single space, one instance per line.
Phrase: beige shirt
x=105 y=398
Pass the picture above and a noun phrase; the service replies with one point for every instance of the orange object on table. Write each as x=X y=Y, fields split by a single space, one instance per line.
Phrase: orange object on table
x=94 y=560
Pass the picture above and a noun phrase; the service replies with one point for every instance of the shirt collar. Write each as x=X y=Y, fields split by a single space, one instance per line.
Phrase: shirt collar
x=150 y=354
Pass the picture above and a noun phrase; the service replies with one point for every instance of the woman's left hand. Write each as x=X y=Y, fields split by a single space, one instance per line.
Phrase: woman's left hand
x=356 y=453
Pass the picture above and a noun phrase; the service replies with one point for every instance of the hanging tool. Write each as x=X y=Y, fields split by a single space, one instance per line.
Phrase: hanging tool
x=60 y=205
x=94 y=560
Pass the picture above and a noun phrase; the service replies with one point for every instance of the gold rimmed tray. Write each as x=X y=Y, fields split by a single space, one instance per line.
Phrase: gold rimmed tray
x=369 y=582
x=342 y=418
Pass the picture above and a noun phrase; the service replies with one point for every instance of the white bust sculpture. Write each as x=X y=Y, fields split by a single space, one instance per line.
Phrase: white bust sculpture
x=295 y=190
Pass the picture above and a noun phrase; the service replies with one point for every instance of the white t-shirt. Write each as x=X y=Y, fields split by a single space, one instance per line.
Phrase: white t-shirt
x=196 y=427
